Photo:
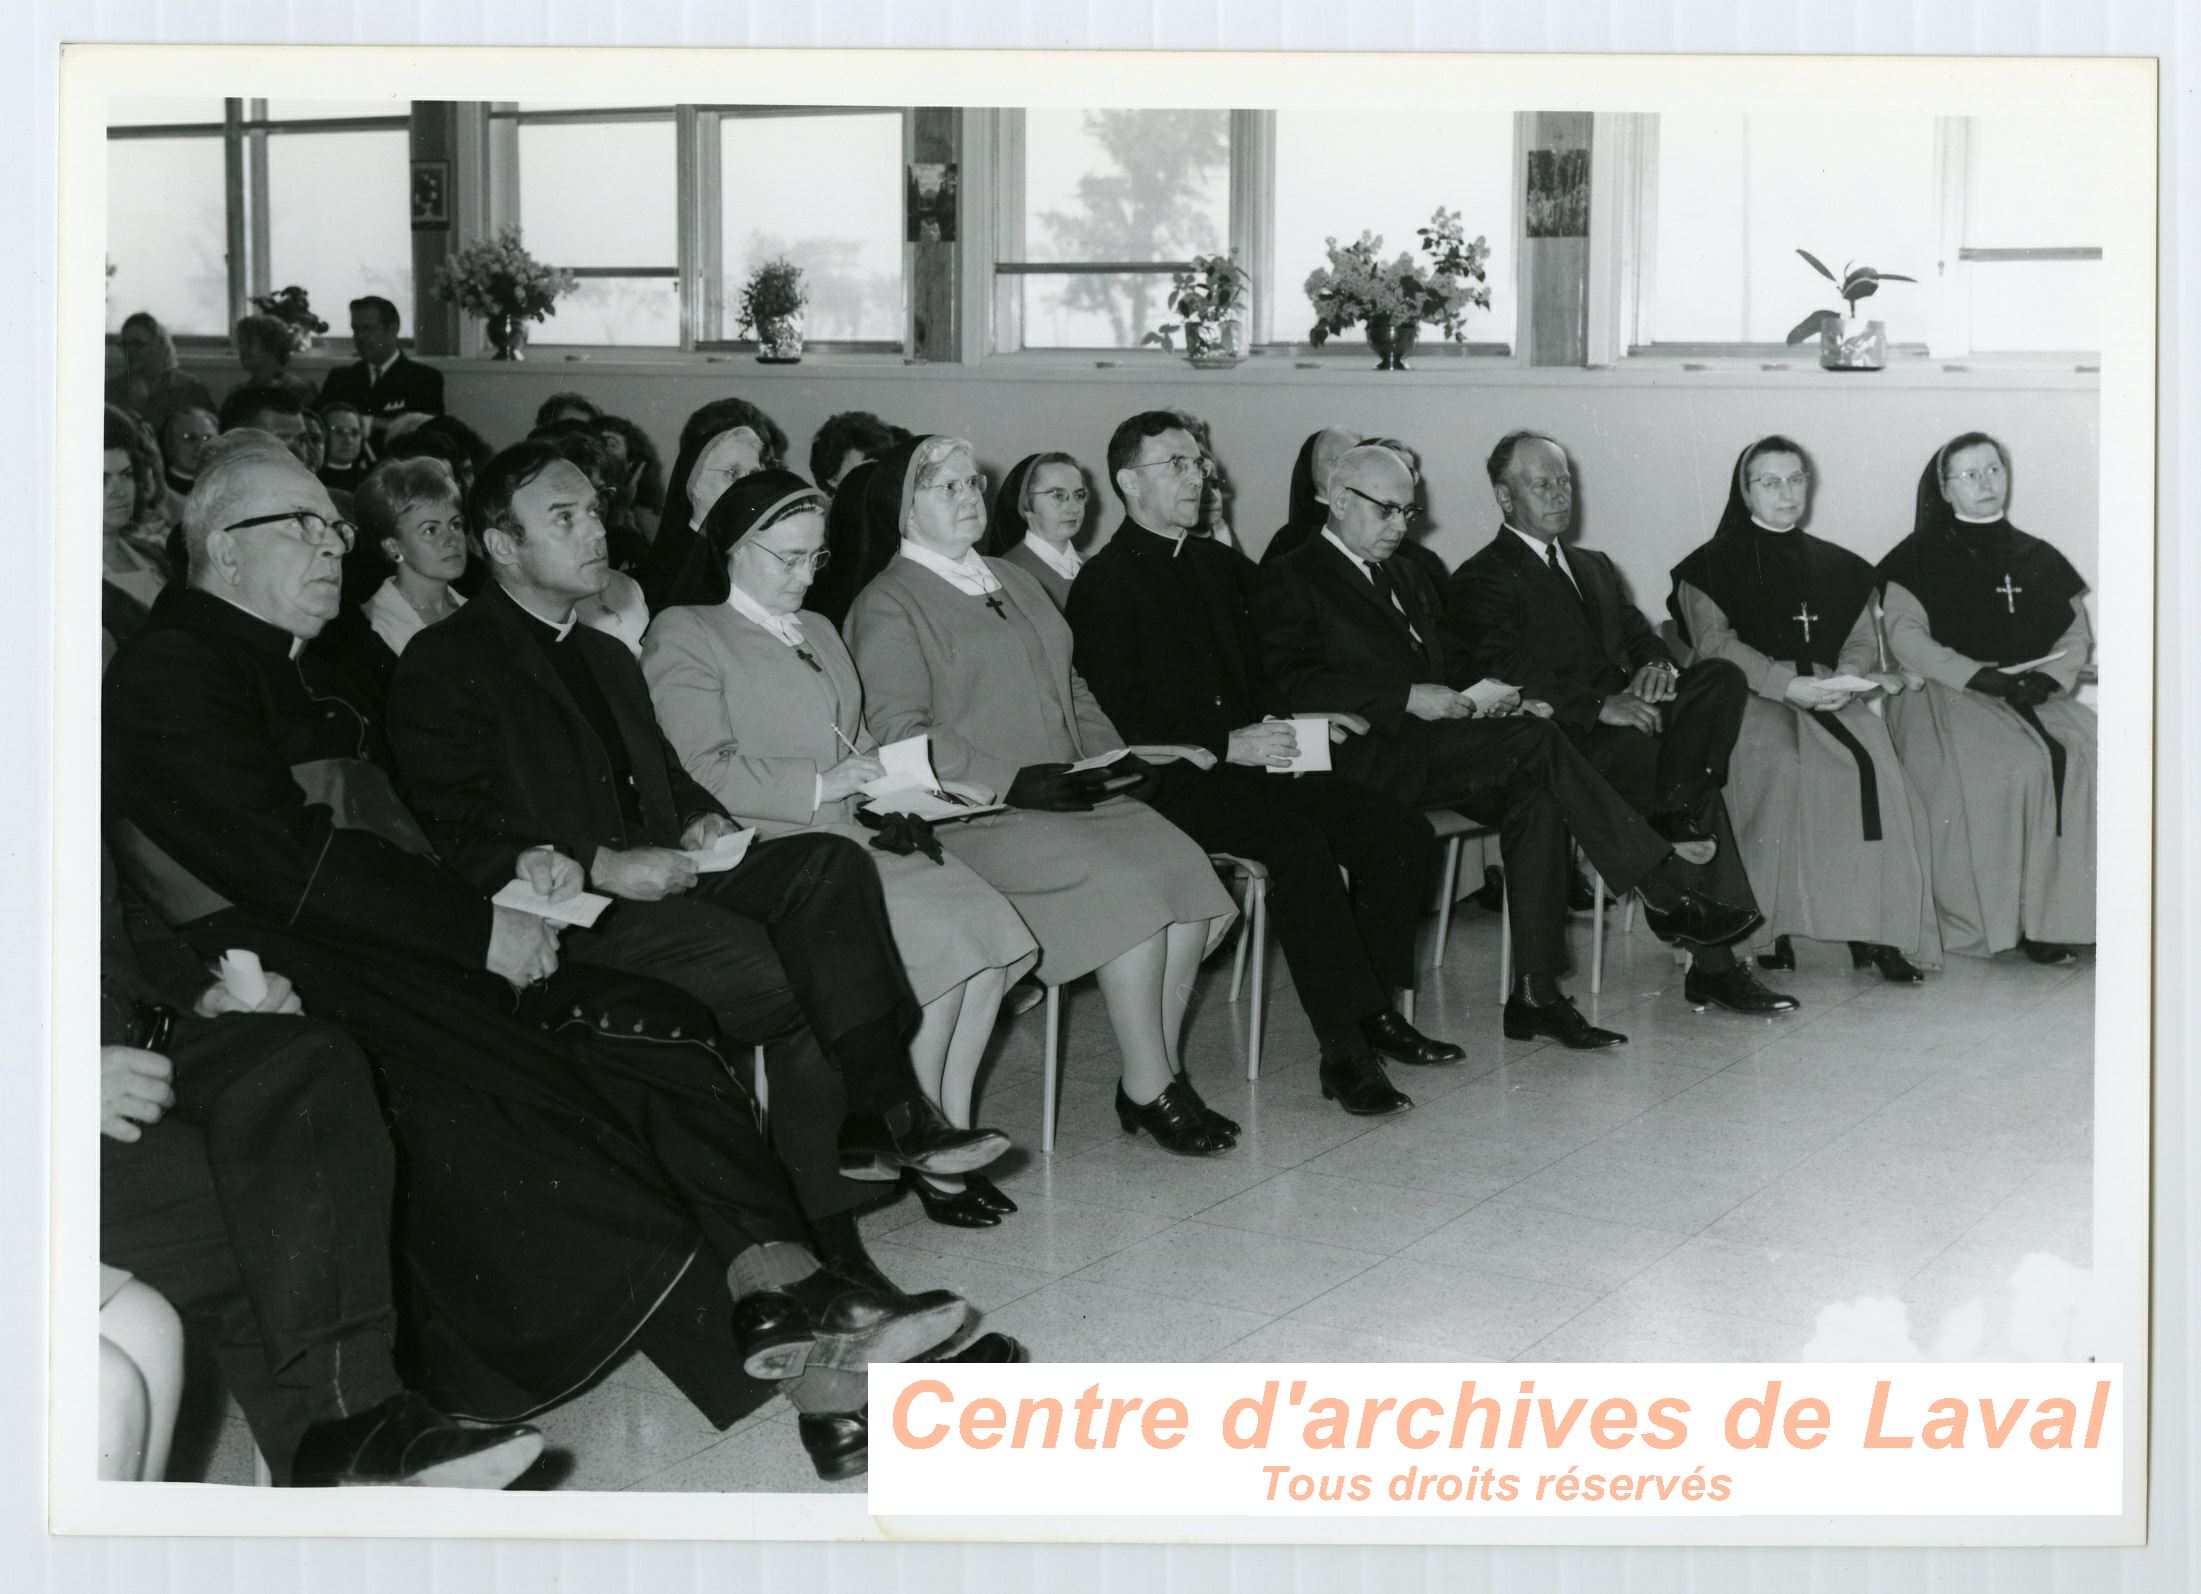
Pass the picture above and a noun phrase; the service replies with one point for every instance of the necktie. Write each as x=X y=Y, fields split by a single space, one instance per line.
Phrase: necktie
x=1551 y=557
x=1389 y=594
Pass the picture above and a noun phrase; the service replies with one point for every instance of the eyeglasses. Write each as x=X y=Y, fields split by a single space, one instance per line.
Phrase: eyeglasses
x=1065 y=496
x=1796 y=483
x=313 y=530
x=792 y=562
x=1404 y=514
x=974 y=484
x=1181 y=465
x=1976 y=478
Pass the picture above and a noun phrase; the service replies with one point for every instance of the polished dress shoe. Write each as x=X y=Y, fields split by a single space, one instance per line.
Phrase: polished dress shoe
x=1678 y=825
x=988 y=1193
x=404 y=1440
x=1737 y=990
x=1894 y=967
x=1398 y=1040
x=1700 y=921
x=912 y=1134
x=1561 y=1020
x=1174 y=1120
x=958 y=1209
x=2047 y=953
x=1783 y=955
x=986 y=1348
x=838 y=1442
x=1359 y=1085
x=834 y=1322
x=1224 y=1129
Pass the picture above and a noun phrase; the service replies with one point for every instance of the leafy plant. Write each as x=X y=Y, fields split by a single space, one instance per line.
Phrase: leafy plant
x=773 y=292
x=1358 y=285
x=499 y=277
x=294 y=309
x=1208 y=296
x=1855 y=283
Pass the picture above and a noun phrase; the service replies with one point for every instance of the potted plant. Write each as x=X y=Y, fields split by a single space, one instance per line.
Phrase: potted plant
x=294 y=309
x=1394 y=298
x=771 y=308
x=1211 y=298
x=1845 y=342
x=506 y=286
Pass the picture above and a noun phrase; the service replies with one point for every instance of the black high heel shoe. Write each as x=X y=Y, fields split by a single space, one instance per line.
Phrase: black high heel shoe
x=1176 y=1123
x=1893 y=965
x=2047 y=953
x=987 y=1193
x=1225 y=1130
x=958 y=1209
x=1783 y=955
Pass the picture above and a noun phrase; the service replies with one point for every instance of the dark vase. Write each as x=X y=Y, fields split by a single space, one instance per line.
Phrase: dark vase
x=1392 y=341
x=508 y=336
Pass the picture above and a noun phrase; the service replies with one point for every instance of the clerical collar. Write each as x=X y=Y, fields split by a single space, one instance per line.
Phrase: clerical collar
x=1063 y=561
x=967 y=574
x=1974 y=520
x=784 y=626
x=297 y=642
x=1174 y=536
x=562 y=627
x=1778 y=531
x=1338 y=543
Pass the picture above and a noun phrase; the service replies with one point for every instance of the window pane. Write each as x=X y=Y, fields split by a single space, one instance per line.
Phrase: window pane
x=1126 y=185
x=339 y=220
x=318 y=110
x=643 y=311
x=825 y=192
x=2035 y=181
x=1338 y=175
x=598 y=194
x=2036 y=305
x=1094 y=312
x=1739 y=195
x=627 y=104
x=165 y=239
x=146 y=110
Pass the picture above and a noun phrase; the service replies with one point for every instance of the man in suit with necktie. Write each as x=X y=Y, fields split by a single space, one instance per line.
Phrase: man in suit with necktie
x=384 y=382
x=1346 y=626
x=1556 y=621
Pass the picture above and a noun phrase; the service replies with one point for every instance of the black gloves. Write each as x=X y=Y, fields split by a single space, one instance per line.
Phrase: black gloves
x=1992 y=682
x=2019 y=691
x=1052 y=788
x=901 y=834
x=1141 y=790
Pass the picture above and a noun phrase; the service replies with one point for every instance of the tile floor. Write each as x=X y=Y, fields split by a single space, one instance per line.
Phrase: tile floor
x=1886 y=1168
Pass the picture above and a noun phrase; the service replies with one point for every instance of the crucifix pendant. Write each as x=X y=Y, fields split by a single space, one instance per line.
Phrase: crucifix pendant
x=994 y=603
x=2010 y=590
x=810 y=659
x=1805 y=616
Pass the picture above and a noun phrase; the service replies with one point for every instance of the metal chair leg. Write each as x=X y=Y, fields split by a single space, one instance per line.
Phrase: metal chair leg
x=762 y=1088
x=1238 y=957
x=1597 y=935
x=1049 y=1077
x=1505 y=945
x=1444 y=901
x=1258 y=931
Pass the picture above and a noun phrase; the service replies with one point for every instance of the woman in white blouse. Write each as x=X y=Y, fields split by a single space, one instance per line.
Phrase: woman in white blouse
x=409 y=512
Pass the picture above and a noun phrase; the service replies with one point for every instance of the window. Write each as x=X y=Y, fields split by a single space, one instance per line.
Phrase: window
x=167 y=252
x=845 y=233
x=338 y=219
x=2031 y=256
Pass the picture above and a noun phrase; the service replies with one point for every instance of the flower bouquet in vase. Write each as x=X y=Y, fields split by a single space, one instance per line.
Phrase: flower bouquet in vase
x=1393 y=298
x=506 y=286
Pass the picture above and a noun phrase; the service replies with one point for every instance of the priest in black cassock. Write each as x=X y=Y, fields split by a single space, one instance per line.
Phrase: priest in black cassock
x=1165 y=640
x=1831 y=833
x=2000 y=749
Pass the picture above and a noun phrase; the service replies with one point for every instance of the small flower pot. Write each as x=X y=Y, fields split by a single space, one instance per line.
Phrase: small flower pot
x=507 y=336
x=1853 y=345
x=779 y=341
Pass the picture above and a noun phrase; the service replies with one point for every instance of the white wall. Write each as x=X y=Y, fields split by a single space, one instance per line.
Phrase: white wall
x=1652 y=444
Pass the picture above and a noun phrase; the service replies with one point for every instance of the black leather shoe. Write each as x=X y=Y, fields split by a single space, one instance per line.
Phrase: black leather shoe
x=1224 y=1129
x=1359 y=1085
x=1783 y=955
x=1737 y=990
x=1699 y=921
x=838 y=1442
x=405 y=1440
x=2048 y=953
x=1894 y=967
x=958 y=1209
x=832 y=1322
x=1677 y=825
x=987 y=1348
x=988 y=1193
x=1172 y=1118
x=1581 y=896
x=1398 y=1040
x=912 y=1134
x=1561 y=1020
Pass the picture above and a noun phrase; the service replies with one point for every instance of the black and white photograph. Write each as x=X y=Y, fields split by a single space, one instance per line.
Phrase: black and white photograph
x=733 y=741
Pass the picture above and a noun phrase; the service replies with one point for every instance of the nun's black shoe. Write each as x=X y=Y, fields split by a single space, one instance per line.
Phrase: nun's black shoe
x=833 y=1322
x=958 y=1209
x=2049 y=953
x=986 y=1348
x=1783 y=955
x=1389 y=1033
x=1359 y=1085
x=404 y=1440
x=1173 y=1118
x=1699 y=921
x=1224 y=1129
x=912 y=1134
x=1894 y=967
x=1561 y=1020
x=838 y=1442
x=1737 y=990
x=988 y=1192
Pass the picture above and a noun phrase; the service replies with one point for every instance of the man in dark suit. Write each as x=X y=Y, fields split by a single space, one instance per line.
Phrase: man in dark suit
x=1345 y=625
x=516 y=727
x=1556 y=621
x=384 y=382
x=1165 y=641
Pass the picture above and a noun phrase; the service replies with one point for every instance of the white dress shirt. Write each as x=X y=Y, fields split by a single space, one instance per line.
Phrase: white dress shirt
x=967 y=574
x=1537 y=545
x=1368 y=570
x=1064 y=561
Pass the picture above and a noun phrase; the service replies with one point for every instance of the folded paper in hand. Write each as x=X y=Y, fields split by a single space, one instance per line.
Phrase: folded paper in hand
x=722 y=854
x=581 y=909
x=1849 y=683
x=1153 y=753
x=1313 y=737
x=1488 y=694
x=938 y=807
x=243 y=977
x=2031 y=664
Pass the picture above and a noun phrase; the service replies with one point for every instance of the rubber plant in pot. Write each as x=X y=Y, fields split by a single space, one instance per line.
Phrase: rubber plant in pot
x=1847 y=343
x=1211 y=297
x=771 y=309
x=498 y=280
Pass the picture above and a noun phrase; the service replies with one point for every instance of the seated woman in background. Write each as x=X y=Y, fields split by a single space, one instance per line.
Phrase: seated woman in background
x=133 y=525
x=182 y=447
x=2000 y=750
x=761 y=702
x=263 y=349
x=1832 y=835
x=723 y=441
x=345 y=464
x=846 y=440
x=409 y=527
x=149 y=385
x=565 y=407
x=639 y=467
x=1038 y=514
x=970 y=653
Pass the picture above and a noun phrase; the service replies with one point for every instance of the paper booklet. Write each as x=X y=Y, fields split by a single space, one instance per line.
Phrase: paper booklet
x=938 y=807
x=1313 y=736
x=910 y=787
x=1153 y=753
x=1849 y=683
x=721 y=855
x=2030 y=664
x=580 y=910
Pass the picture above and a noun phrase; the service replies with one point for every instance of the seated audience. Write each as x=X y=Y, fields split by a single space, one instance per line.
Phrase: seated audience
x=1998 y=746
x=565 y=407
x=847 y=440
x=860 y=547
x=762 y=704
x=183 y=440
x=1310 y=490
x=276 y=411
x=635 y=457
x=618 y=609
x=133 y=525
x=722 y=442
x=149 y=385
x=971 y=654
x=263 y=351
x=1831 y=833
x=384 y=382
x=346 y=462
x=1037 y=518
x=411 y=531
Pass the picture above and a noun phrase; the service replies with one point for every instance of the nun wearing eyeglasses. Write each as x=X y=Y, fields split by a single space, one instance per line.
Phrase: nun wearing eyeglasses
x=761 y=703
x=1831 y=833
x=1038 y=516
x=1998 y=746
x=970 y=652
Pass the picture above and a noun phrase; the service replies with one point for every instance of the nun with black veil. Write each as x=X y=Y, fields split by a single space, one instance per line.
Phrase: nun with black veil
x=1831 y=833
x=1038 y=515
x=857 y=555
x=722 y=442
x=1997 y=744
